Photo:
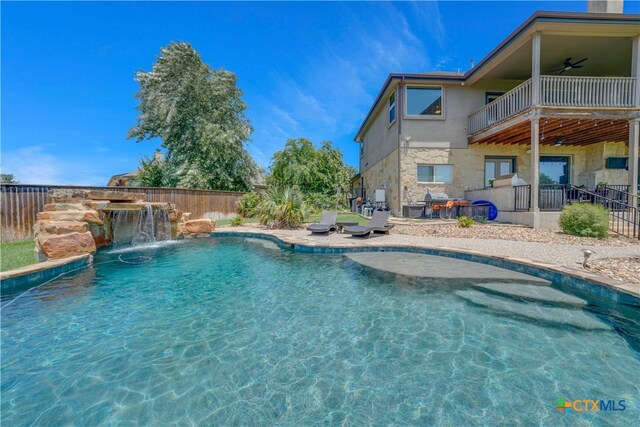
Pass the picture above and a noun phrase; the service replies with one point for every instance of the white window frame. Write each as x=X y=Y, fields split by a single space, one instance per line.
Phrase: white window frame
x=393 y=106
x=408 y=116
x=434 y=173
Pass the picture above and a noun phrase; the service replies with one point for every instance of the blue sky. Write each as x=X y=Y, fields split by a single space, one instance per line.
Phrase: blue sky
x=307 y=69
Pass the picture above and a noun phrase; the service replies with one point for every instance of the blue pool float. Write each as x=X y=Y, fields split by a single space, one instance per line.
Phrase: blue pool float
x=493 y=210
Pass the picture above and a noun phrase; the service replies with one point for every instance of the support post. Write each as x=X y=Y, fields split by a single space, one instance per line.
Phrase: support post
x=535 y=169
x=535 y=69
x=635 y=69
x=633 y=124
x=634 y=135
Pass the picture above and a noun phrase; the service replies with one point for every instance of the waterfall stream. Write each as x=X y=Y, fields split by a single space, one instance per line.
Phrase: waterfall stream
x=136 y=228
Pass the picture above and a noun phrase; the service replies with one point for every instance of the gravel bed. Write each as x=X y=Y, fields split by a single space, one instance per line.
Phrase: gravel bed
x=625 y=269
x=507 y=232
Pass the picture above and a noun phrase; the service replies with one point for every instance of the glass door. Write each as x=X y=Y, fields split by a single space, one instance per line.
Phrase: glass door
x=555 y=170
x=495 y=167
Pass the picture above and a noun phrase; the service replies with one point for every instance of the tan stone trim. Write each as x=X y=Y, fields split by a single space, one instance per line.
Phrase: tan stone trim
x=42 y=266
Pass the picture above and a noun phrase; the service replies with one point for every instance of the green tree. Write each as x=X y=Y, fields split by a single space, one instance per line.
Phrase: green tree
x=319 y=173
x=546 y=179
x=151 y=173
x=198 y=113
x=8 y=178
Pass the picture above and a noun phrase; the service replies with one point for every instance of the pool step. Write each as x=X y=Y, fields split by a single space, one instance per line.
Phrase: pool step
x=534 y=293
x=555 y=315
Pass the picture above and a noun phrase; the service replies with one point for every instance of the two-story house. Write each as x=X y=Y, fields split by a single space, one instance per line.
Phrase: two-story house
x=557 y=103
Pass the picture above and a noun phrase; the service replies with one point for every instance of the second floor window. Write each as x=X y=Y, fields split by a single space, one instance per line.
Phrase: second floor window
x=392 y=107
x=424 y=101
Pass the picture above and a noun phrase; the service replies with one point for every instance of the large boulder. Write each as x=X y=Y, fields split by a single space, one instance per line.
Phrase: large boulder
x=60 y=227
x=199 y=226
x=90 y=216
x=54 y=246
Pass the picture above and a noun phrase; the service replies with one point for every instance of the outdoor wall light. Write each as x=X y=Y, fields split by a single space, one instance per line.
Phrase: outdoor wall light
x=587 y=253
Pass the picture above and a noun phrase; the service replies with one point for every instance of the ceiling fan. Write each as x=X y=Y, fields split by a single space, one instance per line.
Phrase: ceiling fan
x=568 y=65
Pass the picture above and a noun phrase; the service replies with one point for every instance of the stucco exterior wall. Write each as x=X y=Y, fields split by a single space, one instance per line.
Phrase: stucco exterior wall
x=380 y=140
x=450 y=130
x=384 y=175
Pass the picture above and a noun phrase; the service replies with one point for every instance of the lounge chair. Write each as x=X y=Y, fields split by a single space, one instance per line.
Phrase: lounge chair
x=377 y=224
x=327 y=223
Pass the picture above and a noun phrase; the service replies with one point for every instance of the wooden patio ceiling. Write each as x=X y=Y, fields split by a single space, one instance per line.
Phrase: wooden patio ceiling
x=570 y=131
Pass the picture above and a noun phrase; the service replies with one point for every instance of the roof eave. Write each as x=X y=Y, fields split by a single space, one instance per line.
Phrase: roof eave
x=539 y=16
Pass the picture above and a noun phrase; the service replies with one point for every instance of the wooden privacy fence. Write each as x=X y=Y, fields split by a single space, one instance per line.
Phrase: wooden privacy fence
x=19 y=204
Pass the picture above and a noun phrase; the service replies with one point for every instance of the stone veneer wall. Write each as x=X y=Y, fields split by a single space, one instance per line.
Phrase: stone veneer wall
x=587 y=166
x=383 y=174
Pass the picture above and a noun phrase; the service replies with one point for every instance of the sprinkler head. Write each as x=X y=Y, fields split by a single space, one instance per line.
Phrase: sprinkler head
x=587 y=253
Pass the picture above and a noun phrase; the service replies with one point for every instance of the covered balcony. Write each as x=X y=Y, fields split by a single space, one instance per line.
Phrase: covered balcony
x=556 y=91
x=572 y=96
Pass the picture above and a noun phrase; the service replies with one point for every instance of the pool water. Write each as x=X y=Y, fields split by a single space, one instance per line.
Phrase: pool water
x=238 y=332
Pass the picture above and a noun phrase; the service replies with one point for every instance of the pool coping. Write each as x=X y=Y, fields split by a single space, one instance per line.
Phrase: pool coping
x=42 y=271
x=583 y=280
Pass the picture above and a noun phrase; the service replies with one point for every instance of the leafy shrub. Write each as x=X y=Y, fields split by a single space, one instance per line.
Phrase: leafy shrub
x=237 y=221
x=282 y=207
x=248 y=204
x=585 y=219
x=317 y=202
x=465 y=221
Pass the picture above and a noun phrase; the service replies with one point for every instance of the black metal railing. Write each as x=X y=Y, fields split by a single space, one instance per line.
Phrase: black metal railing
x=624 y=188
x=552 y=197
x=618 y=192
x=624 y=217
x=522 y=197
x=623 y=207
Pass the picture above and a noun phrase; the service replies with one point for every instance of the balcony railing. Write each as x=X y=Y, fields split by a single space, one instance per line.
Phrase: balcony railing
x=511 y=103
x=557 y=91
x=565 y=91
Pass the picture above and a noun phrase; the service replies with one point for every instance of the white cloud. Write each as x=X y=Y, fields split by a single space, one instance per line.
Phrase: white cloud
x=429 y=14
x=31 y=165
x=34 y=165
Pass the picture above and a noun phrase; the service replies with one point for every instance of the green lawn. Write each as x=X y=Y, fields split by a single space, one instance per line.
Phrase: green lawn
x=16 y=254
x=223 y=222
x=346 y=217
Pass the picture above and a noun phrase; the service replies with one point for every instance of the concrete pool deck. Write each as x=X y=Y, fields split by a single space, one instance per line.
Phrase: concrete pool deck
x=566 y=259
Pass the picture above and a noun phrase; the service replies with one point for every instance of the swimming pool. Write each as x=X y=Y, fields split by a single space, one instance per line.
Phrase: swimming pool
x=238 y=331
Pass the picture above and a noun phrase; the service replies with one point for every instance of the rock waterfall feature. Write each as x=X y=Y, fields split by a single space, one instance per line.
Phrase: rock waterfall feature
x=79 y=222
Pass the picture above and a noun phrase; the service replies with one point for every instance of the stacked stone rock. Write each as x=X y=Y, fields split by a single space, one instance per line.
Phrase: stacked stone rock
x=63 y=230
